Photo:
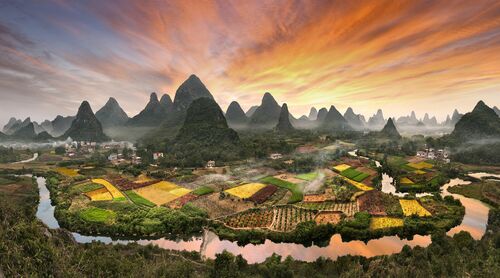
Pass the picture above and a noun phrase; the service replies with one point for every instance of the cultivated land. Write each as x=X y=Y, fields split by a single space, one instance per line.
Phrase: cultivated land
x=248 y=201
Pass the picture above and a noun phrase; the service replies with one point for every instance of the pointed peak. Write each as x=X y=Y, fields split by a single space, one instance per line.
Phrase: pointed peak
x=112 y=100
x=349 y=109
x=480 y=106
x=153 y=97
x=165 y=99
x=85 y=106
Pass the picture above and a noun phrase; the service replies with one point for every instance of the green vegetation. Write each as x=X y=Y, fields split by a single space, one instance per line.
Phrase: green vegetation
x=308 y=177
x=297 y=194
x=200 y=191
x=97 y=215
x=350 y=173
x=487 y=191
x=85 y=187
x=93 y=172
x=138 y=199
x=361 y=177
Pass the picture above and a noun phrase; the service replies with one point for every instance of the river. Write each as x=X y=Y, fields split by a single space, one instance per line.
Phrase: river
x=475 y=219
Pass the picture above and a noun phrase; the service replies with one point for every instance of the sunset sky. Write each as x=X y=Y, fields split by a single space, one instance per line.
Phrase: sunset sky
x=427 y=56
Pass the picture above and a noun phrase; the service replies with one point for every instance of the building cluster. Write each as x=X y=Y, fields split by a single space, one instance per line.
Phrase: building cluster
x=430 y=153
x=79 y=147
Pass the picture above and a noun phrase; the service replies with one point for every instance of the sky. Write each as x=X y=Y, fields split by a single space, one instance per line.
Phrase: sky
x=426 y=56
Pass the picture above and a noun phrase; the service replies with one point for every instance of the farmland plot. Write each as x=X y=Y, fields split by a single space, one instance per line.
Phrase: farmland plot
x=101 y=194
x=413 y=207
x=162 y=192
x=287 y=217
x=385 y=222
x=251 y=219
x=113 y=190
x=246 y=190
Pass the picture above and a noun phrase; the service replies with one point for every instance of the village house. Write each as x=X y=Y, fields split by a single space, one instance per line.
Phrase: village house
x=157 y=156
x=210 y=164
x=276 y=156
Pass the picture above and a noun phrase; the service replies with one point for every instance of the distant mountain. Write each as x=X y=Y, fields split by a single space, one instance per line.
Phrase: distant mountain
x=43 y=136
x=334 y=121
x=284 y=124
x=85 y=127
x=354 y=120
x=496 y=110
x=390 y=130
x=190 y=90
x=61 y=124
x=47 y=126
x=377 y=120
x=313 y=114
x=111 y=114
x=481 y=123
x=429 y=121
x=235 y=115
x=321 y=115
x=410 y=120
x=455 y=117
x=166 y=102
x=447 y=122
x=17 y=125
x=205 y=135
x=152 y=115
x=7 y=129
x=26 y=132
x=250 y=111
x=267 y=114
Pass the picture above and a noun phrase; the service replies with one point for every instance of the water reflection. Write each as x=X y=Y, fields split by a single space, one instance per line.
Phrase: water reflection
x=475 y=220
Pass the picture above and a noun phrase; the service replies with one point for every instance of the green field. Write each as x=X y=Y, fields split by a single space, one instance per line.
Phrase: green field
x=138 y=199
x=297 y=194
x=350 y=173
x=308 y=177
x=361 y=177
x=93 y=214
x=85 y=187
x=203 y=190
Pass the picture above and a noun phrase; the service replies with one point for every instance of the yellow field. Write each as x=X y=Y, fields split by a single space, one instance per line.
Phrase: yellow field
x=341 y=167
x=385 y=222
x=162 y=192
x=67 y=172
x=101 y=194
x=412 y=207
x=359 y=185
x=406 y=180
x=420 y=165
x=246 y=190
x=113 y=190
x=420 y=172
x=142 y=178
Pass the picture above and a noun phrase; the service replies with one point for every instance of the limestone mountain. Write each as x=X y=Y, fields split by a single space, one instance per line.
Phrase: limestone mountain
x=26 y=132
x=496 y=110
x=334 y=121
x=18 y=124
x=12 y=122
x=390 y=131
x=429 y=121
x=61 y=124
x=43 y=136
x=377 y=120
x=455 y=117
x=321 y=115
x=481 y=123
x=152 y=115
x=47 y=126
x=188 y=91
x=85 y=127
x=354 y=120
x=205 y=135
x=284 y=125
x=250 y=111
x=268 y=113
x=235 y=115
x=410 y=120
x=166 y=102
x=111 y=114
x=313 y=114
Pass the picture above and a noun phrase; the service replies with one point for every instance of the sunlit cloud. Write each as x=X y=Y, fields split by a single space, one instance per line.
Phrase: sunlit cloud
x=427 y=56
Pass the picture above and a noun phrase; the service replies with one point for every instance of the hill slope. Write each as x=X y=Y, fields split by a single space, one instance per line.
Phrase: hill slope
x=481 y=123
x=284 y=125
x=205 y=135
x=235 y=115
x=267 y=114
x=111 y=114
x=85 y=127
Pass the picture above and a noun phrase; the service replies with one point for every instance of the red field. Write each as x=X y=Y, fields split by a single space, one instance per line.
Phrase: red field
x=263 y=194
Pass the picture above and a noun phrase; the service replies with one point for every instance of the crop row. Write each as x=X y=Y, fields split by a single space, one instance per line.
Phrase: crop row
x=286 y=218
x=349 y=209
x=251 y=219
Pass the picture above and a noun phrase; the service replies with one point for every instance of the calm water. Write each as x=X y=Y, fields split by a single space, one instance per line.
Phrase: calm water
x=475 y=219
